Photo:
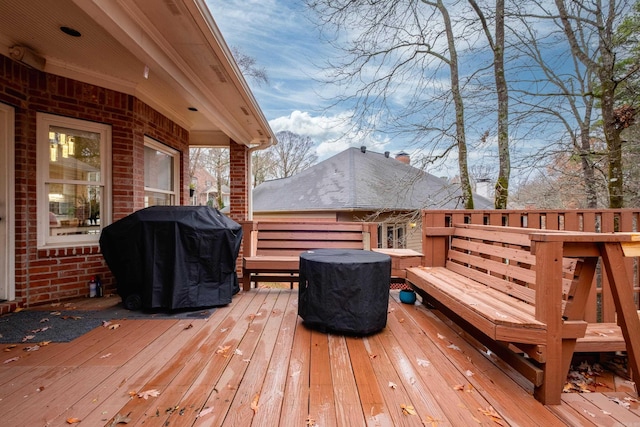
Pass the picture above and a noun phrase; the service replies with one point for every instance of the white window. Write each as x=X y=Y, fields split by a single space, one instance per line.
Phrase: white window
x=161 y=173
x=74 y=183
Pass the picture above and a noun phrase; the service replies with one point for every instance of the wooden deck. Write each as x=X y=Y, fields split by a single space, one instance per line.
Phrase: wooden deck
x=254 y=363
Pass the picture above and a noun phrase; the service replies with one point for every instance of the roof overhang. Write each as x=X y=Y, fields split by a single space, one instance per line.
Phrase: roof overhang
x=168 y=53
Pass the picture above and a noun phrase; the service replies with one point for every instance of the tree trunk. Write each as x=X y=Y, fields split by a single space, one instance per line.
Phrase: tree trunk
x=502 y=184
x=465 y=182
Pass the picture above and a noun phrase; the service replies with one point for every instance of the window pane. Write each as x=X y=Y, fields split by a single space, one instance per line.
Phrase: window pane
x=152 y=198
x=74 y=154
x=158 y=169
x=74 y=209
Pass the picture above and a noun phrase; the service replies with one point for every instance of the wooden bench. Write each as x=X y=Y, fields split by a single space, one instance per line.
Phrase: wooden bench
x=488 y=284
x=271 y=250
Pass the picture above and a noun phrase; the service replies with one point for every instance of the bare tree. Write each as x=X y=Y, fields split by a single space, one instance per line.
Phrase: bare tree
x=293 y=153
x=215 y=161
x=396 y=60
x=601 y=18
x=249 y=67
x=496 y=43
x=560 y=89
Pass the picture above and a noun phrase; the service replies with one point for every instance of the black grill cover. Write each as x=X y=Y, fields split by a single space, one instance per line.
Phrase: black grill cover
x=174 y=257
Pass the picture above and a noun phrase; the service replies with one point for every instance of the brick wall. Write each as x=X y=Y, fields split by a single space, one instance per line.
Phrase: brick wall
x=47 y=275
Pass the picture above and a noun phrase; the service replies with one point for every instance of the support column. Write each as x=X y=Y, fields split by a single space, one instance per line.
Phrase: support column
x=239 y=181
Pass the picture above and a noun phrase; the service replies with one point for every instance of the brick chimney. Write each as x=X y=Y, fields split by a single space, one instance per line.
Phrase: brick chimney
x=403 y=157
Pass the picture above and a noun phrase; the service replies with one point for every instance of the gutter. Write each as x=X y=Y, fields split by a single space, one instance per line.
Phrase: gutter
x=261 y=145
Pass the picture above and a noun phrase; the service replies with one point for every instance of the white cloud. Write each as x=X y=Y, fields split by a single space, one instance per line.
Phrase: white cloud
x=332 y=134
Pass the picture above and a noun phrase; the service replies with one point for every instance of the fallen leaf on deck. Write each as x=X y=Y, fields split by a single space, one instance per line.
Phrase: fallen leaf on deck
x=430 y=420
x=55 y=313
x=104 y=356
x=114 y=326
x=205 y=411
x=43 y=320
x=44 y=343
x=458 y=387
x=454 y=347
x=310 y=421
x=393 y=385
x=492 y=414
x=224 y=330
x=238 y=352
x=468 y=373
x=105 y=323
x=148 y=393
x=32 y=348
x=10 y=347
x=119 y=419
x=18 y=310
x=73 y=420
x=40 y=388
x=254 y=403
x=13 y=359
x=28 y=337
x=372 y=356
x=223 y=350
x=189 y=326
x=408 y=410
x=441 y=336
x=424 y=363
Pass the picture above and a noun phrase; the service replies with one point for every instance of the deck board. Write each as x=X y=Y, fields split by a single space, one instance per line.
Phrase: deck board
x=294 y=375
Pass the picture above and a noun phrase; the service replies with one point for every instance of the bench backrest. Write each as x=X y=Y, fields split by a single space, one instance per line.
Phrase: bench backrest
x=279 y=238
x=501 y=258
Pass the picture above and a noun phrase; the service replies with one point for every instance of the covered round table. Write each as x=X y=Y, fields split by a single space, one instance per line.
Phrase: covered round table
x=344 y=290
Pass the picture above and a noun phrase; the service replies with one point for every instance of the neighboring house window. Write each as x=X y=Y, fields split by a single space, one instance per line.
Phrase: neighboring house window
x=396 y=236
x=160 y=174
x=74 y=185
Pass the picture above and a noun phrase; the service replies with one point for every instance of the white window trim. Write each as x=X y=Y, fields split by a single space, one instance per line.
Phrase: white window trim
x=163 y=148
x=43 y=121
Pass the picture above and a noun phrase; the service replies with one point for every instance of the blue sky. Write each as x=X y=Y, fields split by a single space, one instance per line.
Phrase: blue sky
x=279 y=35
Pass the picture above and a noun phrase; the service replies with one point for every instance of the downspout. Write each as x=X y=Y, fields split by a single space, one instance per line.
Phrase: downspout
x=260 y=146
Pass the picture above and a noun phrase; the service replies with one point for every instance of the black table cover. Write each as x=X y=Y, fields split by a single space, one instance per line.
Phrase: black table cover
x=344 y=290
x=173 y=257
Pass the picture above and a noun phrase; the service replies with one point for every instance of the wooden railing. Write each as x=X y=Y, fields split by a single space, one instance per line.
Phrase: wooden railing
x=600 y=307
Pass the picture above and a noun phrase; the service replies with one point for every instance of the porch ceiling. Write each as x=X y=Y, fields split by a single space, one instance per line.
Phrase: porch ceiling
x=189 y=63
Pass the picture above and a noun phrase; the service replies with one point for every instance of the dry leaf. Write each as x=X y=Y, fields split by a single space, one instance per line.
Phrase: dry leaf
x=424 y=363
x=458 y=387
x=372 y=356
x=119 y=419
x=73 y=420
x=28 y=337
x=114 y=326
x=13 y=359
x=55 y=313
x=468 y=373
x=310 y=421
x=430 y=420
x=454 y=347
x=104 y=356
x=106 y=323
x=189 y=326
x=440 y=336
x=149 y=393
x=223 y=350
x=393 y=385
x=205 y=412
x=32 y=348
x=44 y=343
x=238 y=352
x=43 y=320
x=254 y=403
x=18 y=309
x=408 y=410
x=492 y=414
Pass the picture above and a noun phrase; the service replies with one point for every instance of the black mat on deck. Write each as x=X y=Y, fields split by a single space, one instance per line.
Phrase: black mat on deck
x=67 y=325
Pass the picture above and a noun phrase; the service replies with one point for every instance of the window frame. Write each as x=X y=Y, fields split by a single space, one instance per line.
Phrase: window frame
x=43 y=123
x=175 y=155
